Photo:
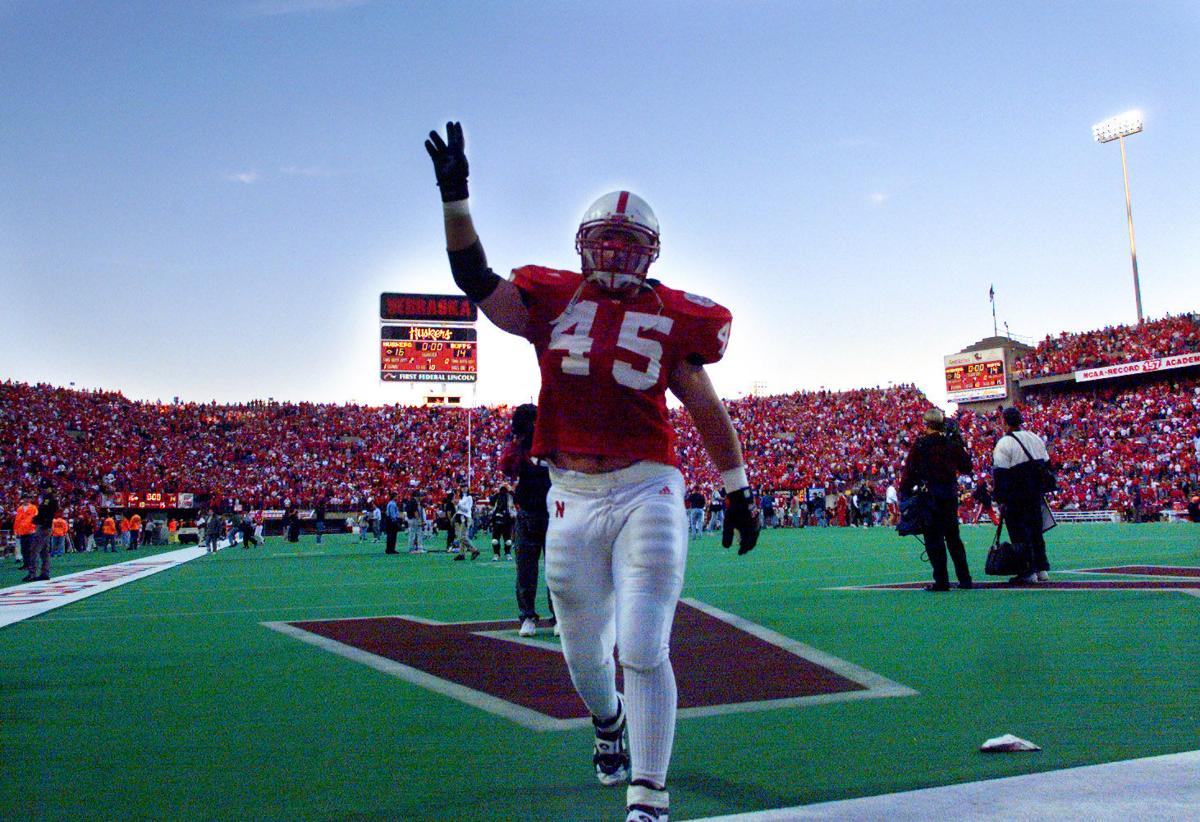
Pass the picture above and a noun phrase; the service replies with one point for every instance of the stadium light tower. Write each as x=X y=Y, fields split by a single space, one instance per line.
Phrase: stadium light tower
x=1118 y=128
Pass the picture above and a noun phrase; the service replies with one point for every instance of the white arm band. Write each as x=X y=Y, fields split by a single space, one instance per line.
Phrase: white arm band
x=456 y=208
x=735 y=479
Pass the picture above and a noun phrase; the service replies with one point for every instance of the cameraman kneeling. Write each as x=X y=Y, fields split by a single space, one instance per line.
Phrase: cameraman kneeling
x=935 y=461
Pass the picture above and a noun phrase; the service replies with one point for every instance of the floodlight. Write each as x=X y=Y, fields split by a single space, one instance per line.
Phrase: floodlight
x=1117 y=127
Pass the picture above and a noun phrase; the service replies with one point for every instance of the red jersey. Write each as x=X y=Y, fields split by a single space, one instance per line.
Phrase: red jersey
x=605 y=362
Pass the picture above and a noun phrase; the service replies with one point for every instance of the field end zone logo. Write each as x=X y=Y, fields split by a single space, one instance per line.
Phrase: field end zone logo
x=723 y=664
x=1183 y=579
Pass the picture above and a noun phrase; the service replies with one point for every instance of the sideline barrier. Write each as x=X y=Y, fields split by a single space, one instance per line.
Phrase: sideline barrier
x=1087 y=516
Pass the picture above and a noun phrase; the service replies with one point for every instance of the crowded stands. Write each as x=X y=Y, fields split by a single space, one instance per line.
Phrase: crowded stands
x=259 y=454
x=1131 y=445
x=1134 y=449
x=1066 y=353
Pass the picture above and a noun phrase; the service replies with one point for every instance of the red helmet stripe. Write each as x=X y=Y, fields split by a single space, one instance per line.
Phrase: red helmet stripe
x=622 y=202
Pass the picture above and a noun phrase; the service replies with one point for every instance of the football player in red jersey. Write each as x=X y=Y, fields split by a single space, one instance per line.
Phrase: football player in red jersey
x=609 y=344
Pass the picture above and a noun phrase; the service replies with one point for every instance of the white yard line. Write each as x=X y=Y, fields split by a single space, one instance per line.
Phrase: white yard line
x=22 y=602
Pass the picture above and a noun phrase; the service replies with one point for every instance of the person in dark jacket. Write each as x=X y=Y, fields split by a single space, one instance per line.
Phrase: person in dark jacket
x=391 y=523
x=47 y=510
x=936 y=460
x=292 y=522
x=1018 y=464
x=529 y=536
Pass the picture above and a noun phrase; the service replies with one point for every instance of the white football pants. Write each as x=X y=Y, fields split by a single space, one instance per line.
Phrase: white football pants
x=616 y=548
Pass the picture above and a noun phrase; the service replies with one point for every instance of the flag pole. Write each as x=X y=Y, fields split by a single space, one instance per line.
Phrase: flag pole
x=992 y=300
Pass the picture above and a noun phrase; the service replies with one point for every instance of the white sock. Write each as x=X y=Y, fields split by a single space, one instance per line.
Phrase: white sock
x=650 y=704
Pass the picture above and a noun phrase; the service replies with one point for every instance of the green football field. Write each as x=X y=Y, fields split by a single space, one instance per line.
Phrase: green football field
x=168 y=698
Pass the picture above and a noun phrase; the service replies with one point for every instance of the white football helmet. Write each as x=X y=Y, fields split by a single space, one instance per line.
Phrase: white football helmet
x=617 y=241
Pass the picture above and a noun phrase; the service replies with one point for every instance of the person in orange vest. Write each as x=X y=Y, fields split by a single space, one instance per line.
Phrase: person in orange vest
x=123 y=527
x=135 y=532
x=108 y=535
x=24 y=530
x=172 y=531
x=58 y=535
x=47 y=510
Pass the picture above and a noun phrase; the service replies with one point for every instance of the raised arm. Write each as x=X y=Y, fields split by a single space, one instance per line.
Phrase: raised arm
x=499 y=299
x=690 y=383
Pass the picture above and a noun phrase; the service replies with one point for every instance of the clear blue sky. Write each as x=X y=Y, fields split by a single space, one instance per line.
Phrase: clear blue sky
x=205 y=199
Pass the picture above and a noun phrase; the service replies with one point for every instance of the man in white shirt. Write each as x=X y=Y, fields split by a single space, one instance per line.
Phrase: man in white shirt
x=892 y=498
x=1017 y=464
x=464 y=513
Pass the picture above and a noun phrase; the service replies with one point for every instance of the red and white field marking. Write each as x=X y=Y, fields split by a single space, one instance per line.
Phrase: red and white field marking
x=486 y=665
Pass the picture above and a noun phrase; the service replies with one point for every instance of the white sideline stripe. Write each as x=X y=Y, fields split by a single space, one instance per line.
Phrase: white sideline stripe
x=1153 y=789
x=875 y=686
x=21 y=602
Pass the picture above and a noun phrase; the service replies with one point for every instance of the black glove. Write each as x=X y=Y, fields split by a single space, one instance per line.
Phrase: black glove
x=449 y=162
x=740 y=516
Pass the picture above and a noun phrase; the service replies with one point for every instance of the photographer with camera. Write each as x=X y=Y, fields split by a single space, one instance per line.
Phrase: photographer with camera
x=934 y=461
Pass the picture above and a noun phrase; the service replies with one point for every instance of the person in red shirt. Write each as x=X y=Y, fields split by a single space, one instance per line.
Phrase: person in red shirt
x=609 y=343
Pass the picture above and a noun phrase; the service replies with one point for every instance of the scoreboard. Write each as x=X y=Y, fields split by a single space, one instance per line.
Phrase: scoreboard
x=157 y=499
x=976 y=375
x=427 y=353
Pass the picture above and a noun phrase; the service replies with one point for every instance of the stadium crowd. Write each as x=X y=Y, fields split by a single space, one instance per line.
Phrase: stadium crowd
x=1066 y=353
x=1134 y=449
x=1131 y=448
x=261 y=454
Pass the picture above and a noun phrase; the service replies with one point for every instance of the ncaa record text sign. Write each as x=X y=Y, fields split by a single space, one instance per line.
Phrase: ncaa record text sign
x=976 y=375
x=427 y=353
x=425 y=308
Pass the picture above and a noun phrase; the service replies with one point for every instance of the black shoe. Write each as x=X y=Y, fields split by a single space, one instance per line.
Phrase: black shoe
x=938 y=586
x=43 y=578
x=966 y=586
x=28 y=578
x=610 y=753
x=458 y=557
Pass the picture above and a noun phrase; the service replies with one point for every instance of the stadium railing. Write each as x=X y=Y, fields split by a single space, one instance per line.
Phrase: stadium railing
x=1087 y=516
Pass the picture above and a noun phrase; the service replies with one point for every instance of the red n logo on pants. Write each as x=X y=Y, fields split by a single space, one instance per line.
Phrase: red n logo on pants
x=560 y=508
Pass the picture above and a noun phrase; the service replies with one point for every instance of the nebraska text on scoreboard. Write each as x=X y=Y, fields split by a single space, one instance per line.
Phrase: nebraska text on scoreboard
x=976 y=375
